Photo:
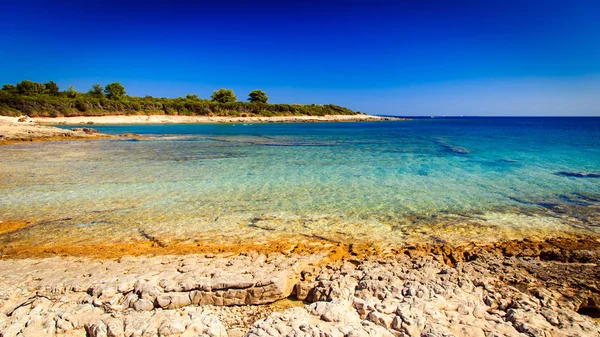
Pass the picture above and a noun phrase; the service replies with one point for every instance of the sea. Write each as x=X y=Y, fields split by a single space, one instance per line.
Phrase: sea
x=393 y=182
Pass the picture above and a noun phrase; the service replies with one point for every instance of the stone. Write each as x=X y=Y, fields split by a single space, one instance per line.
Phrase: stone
x=143 y=305
x=381 y=319
x=98 y=329
x=480 y=311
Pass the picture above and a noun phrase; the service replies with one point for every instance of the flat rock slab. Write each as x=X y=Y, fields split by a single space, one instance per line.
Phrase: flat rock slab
x=146 y=283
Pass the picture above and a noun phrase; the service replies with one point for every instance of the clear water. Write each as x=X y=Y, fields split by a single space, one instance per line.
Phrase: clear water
x=425 y=179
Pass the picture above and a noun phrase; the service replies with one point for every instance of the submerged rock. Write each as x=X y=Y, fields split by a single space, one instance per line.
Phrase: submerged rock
x=88 y=131
x=578 y=174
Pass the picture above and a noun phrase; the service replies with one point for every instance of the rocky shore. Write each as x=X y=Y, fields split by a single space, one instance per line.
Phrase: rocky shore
x=548 y=287
x=24 y=130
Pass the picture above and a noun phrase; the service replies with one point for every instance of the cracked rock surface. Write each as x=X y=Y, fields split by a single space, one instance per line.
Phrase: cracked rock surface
x=513 y=289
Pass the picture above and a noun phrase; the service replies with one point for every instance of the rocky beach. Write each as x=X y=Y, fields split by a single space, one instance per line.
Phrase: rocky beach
x=527 y=287
x=300 y=169
x=23 y=129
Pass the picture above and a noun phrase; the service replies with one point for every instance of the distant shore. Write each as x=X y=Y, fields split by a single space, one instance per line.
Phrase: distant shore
x=13 y=131
x=168 y=119
x=26 y=129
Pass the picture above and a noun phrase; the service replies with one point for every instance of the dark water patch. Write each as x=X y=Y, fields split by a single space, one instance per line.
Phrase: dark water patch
x=507 y=161
x=578 y=174
x=573 y=200
x=446 y=147
x=521 y=201
x=580 y=211
x=456 y=149
x=587 y=197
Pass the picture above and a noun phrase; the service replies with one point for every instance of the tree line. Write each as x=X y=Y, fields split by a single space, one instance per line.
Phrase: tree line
x=47 y=100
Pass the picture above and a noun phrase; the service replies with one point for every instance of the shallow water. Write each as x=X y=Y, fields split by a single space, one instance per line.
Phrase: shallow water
x=425 y=179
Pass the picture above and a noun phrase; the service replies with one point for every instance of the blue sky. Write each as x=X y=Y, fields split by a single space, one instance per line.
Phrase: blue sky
x=415 y=57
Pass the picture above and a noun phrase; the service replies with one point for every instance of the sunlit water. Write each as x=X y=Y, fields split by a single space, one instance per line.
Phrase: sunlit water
x=425 y=179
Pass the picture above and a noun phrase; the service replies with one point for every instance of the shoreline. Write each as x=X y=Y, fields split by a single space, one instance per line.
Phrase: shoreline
x=25 y=129
x=168 y=119
x=12 y=131
x=526 y=281
x=511 y=287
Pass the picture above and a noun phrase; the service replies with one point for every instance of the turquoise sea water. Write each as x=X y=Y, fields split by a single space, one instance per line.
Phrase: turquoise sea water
x=429 y=179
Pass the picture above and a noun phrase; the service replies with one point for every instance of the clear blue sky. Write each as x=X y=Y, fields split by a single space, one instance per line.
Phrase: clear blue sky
x=414 y=57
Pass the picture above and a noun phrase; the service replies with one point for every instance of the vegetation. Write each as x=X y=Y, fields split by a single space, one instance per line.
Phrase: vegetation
x=114 y=91
x=96 y=91
x=224 y=96
x=258 y=96
x=46 y=100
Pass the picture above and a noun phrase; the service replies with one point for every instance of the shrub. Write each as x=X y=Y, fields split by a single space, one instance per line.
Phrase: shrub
x=114 y=90
x=223 y=96
x=258 y=96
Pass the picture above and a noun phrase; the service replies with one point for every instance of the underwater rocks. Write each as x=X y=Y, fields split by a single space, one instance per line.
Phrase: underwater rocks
x=515 y=288
x=456 y=149
x=88 y=131
x=578 y=174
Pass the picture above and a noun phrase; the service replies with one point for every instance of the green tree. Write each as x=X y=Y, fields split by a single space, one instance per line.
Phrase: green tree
x=29 y=88
x=258 y=96
x=9 y=88
x=223 y=96
x=71 y=92
x=52 y=88
x=193 y=97
x=96 y=90
x=114 y=90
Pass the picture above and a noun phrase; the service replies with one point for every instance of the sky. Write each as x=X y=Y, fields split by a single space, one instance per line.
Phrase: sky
x=418 y=57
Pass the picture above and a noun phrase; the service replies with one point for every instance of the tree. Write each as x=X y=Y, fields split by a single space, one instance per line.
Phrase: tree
x=27 y=87
x=9 y=88
x=223 y=96
x=192 y=97
x=52 y=88
x=96 y=90
x=114 y=90
x=258 y=96
x=71 y=92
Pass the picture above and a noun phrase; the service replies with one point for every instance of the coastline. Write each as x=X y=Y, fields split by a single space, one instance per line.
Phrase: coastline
x=13 y=131
x=27 y=129
x=508 y=288
x=168 y=119
x=527 y=281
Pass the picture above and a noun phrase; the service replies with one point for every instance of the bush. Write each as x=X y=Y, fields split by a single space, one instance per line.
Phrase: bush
x=80 y=105
x=40 y=102
x=223 y=96
x=258 y=96
x=114 y=90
